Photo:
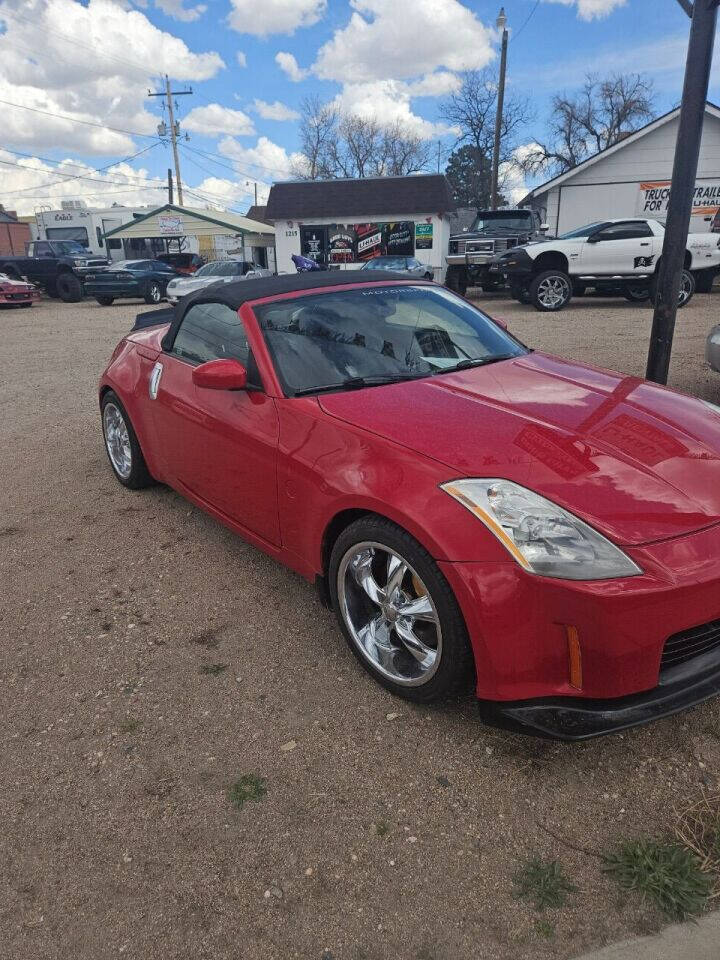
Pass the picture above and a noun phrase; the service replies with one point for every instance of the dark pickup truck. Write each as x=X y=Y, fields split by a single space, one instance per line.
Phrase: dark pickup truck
x=60 y=267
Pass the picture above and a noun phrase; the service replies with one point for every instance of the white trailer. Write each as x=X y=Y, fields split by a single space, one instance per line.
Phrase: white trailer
x=87 y=225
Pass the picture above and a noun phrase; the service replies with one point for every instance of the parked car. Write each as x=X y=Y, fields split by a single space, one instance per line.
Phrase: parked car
x=147 y=279
x=60 y=267
x=182 y=262
x=407 y=265
x=470 y=254
x=217 y=271
x=712 y=350
x=17 y=293
x=474 y=511
x=548 y=273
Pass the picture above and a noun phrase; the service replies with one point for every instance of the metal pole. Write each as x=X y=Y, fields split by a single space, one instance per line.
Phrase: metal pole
x=256 y=193
x=173 y=138
x=498 y=117
x=687 y=152
x=170 y=186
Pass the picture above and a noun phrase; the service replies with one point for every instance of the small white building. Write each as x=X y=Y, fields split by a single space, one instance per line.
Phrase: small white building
x=347 y=222
x=632 y=179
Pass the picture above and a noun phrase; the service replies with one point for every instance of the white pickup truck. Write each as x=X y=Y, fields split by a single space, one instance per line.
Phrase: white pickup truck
x=623 y=254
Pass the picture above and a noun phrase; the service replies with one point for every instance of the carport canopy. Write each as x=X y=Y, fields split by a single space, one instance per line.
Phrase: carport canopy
x=170 y=222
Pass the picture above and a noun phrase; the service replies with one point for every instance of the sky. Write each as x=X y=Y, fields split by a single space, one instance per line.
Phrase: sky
x=76 y=121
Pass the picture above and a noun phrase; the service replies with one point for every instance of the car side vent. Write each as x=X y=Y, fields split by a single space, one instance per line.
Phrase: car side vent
x=681 y=647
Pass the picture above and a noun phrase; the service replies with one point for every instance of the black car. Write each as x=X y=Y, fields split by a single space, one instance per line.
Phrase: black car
x=147 y=279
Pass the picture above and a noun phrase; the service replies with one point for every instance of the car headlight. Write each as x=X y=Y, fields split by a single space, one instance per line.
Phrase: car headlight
x=713 y=406
x=81 y=263
x=541 y=536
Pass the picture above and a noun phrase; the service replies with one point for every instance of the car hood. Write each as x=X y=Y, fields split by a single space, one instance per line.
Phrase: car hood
x=638 y=462
x=185 y=285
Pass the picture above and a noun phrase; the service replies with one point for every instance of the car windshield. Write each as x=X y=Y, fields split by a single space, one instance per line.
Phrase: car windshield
x=67 y=248
x=345 y=339
x=583 y=231
x=218 y=268
x=500 y=222
x=384 y=263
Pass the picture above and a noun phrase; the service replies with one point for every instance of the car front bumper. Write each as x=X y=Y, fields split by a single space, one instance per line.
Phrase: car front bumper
x=515 y=264
x=96 y=288
x=13 y=299
x=518 y=625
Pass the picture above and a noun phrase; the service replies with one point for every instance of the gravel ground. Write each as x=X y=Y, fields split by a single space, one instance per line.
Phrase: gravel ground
x=386 y=830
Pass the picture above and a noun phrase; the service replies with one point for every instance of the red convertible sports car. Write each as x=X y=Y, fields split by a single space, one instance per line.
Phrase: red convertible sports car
x=474 y=511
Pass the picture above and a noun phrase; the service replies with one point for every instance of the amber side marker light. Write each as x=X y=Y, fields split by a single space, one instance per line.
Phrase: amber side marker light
x=574 y=657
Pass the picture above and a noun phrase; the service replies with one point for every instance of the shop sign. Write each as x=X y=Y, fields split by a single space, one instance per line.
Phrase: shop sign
x=423 y=236
x=654 y=196
x=168 y=224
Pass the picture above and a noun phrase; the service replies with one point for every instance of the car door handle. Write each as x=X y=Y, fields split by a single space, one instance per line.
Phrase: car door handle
x=645 y=244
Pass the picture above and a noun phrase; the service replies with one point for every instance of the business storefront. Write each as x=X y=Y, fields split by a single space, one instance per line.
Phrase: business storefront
x=404 y=217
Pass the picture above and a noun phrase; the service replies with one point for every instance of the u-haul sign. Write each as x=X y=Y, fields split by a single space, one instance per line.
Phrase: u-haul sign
x=653 y=198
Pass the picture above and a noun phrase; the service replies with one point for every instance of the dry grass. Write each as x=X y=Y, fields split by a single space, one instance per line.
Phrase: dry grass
x=698 y=829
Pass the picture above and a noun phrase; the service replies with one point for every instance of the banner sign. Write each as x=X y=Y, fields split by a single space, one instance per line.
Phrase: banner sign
x=169 y=224
x=653 y=198
x=423 y=236
x=353 y=242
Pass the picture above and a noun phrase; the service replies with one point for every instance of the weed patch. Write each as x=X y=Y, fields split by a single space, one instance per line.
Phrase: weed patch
x=544 y=883
x=247 y=787
x=213 y=669
x=666 y=873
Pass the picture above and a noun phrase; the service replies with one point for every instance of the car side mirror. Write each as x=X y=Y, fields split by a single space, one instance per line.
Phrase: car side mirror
x=544 y=227
x=595 y=238
x=226 y=374
x=500 y=323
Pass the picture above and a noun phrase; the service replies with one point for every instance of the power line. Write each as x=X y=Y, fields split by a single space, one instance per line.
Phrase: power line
x=86 y=123
x=527 y=21
x=67 y=178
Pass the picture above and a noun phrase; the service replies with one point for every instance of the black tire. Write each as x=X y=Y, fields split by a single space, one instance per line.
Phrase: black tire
x=105 y=301
x=551 y=291
x=687 y=288
x=454 y=671
x=519 y=292
x=69 y=287
x=153 y=292
x=456 y=280
x=704 y=280
x=490 y=286
x=636 y=291
x=51 y=289
x=139 y=476
x=428 y=276
x=25 y=306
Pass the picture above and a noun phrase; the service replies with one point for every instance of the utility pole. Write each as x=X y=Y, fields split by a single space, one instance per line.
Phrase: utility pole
x=687 y=152
x=501 y=25
x=174 y=128
x=170 y=186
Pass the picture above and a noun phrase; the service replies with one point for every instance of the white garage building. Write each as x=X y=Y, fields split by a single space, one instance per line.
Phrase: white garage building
x=632 y=178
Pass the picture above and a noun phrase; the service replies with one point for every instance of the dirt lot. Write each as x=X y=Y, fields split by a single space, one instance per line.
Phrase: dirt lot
x=386 y=830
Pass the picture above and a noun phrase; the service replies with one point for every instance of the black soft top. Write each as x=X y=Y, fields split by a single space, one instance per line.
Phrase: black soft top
x=236 y=293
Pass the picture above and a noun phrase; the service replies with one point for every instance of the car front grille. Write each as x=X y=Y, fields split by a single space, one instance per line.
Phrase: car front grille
x=681 y=647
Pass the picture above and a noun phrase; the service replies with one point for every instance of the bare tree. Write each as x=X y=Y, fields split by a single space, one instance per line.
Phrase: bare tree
x=403 y=151
x=594 y=118
x=354 y=146
x=472 y=109
x=318 y=139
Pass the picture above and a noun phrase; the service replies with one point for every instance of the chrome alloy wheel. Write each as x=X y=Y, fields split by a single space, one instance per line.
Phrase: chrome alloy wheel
x=553 y=291
x=155 y=293
x=117 y=440
x=389 y=613
x=686 y=288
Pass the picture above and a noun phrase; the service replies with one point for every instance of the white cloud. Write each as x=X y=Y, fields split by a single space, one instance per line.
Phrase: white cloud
x=86 y=69
x=23 y=190
x=388 y=102
x=438 y=84
x=397 y=39
x=290 y=67
x=275 y=111
x=265 y=161
x=178 y=11
x=241 y=58
x=221 y=193
x=274 y=16
x=215 y=120
x=591 y=9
